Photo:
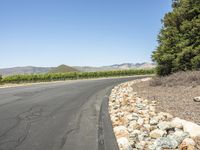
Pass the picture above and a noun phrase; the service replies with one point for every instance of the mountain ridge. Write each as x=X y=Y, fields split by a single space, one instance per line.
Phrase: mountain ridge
x=39 y=70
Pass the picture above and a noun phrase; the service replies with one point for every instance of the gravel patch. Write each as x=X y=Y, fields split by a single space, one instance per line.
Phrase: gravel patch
x=176 y=100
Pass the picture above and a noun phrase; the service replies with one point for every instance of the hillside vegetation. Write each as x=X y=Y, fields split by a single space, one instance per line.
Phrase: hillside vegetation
x=188 y=79
x=179 y=39
x=63 y=69
x=72 y=76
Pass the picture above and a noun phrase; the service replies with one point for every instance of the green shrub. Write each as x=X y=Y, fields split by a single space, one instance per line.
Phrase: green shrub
x=0 y=78
x=73 y=75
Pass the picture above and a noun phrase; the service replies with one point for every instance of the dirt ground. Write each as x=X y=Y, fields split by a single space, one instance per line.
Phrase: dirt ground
x=176 y=99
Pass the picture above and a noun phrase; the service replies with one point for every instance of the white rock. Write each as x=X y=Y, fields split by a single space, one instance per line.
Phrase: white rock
x=151 y=146
x=133 y=116
x=152 y=108
x=121 y=131
x=157 y=133
x=164 y=125
x=188 y=144
x=153 y=102
x=147 y=127
x=154 y=121
x=177 y=125
x=136 y=132
x=129 y=117
x=116 y=107
x=124 y=143
x=132 y=126
x=160 y=116
x=197 y=99
x=142 y=136
x=140 y=106
x=140 y=121
x=190 y=127
x=140 y=145
x=189 y=141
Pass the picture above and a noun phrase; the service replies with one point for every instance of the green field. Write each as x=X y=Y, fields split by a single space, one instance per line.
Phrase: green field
x=72 y=76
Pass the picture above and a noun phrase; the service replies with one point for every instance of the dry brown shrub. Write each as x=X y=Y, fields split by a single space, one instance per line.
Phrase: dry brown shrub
x=189 y=78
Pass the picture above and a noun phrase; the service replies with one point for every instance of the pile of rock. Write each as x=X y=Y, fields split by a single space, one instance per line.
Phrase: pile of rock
x=137 y=125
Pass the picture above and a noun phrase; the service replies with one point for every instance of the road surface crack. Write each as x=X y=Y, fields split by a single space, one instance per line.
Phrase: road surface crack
x=17 y=133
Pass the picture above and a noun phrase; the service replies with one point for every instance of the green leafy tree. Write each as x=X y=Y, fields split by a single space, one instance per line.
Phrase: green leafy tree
x=179 y=39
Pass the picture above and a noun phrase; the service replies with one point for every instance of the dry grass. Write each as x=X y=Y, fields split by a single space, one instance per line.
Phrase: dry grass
x=174 y=94
x=190 y=78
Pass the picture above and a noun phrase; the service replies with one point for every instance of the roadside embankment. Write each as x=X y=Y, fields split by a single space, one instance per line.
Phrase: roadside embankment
x=138 y=124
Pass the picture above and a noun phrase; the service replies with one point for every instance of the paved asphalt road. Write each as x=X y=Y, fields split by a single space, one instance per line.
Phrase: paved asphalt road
x=55 y=116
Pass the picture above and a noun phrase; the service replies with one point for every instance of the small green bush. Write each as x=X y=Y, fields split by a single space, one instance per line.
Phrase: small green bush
x=0 y=78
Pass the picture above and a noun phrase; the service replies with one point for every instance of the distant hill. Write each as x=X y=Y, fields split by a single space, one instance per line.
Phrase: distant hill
x=24 y=70
x=63 y=69
x=133 y=66
x=123 y=66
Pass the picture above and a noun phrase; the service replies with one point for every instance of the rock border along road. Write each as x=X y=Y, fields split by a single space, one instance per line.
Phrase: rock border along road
x=59 y=116
x=138 y=126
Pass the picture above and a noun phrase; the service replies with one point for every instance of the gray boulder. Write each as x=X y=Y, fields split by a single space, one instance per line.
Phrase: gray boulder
x=165 y=143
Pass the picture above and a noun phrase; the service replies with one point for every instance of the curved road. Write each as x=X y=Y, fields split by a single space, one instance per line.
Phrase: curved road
x=54 y=116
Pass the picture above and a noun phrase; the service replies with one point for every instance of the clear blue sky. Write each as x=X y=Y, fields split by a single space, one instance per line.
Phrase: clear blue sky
x=79 y=32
